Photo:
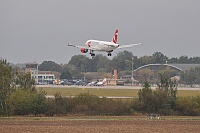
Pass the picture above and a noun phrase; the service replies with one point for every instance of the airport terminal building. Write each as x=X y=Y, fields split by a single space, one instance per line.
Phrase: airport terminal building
x=41 y=77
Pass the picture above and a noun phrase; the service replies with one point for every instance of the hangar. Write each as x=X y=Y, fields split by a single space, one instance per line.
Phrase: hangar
x=177 y=67
x=148 y=70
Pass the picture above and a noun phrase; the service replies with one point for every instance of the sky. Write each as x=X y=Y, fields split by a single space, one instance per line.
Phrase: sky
x=39 y=30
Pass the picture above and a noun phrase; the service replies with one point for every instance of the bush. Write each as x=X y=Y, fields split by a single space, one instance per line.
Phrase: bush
x=87 y=104
x=24 y=102
x=161 y=101
x=188 y=105
x=59 y=105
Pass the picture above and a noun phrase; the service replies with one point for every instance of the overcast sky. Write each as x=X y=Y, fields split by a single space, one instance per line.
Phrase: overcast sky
x=39 y=30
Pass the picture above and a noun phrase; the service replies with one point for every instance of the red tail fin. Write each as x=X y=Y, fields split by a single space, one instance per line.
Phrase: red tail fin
x=114 y=39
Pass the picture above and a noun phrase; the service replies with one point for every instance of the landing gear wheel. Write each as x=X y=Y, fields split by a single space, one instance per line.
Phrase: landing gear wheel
x=92 y=54
x=109 y=54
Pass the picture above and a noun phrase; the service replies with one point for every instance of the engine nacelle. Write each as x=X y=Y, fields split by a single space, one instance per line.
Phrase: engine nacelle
x=83 y=50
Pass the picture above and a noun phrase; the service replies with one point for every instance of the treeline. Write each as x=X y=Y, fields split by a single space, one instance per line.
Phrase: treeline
x=123 y=62
x=18 y=96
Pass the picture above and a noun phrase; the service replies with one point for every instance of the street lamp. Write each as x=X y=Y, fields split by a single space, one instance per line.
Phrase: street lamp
x=132 y=73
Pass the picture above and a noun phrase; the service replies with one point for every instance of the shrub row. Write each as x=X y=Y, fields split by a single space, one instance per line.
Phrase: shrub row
x=87 y=104
x=24 y=102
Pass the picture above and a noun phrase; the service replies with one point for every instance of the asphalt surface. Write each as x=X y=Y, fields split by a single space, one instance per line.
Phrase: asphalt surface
x=112 y=87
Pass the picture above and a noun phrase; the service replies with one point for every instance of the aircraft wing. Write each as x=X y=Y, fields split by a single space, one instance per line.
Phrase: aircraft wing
x=129 y=45
x=76 y=46
x=110 y=45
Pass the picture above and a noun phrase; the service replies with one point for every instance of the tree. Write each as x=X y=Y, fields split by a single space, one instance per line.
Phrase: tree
x=101 y=62
x=50 y=66
x=145 y=75
x=158 y=57
x=191 y=77
x=167 y=71
x=123 y=61
x=70 y=71
x=173 y=60
x=7 y=85
x=80 y=62
x=66 y=74
x=25 y=82
x=183 y=59
x=165 y=95
x=136 y=62
x=144 y=60
x=162 y=100
x=146 y=99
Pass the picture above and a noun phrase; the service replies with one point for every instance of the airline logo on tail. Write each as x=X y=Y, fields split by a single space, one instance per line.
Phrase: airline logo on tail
x=114 y=39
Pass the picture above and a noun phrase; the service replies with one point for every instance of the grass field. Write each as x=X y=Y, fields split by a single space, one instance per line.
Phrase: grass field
x=107 y=92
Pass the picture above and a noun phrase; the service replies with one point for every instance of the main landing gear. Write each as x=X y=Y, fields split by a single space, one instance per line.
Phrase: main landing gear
x=92 y=54
x=109 y=54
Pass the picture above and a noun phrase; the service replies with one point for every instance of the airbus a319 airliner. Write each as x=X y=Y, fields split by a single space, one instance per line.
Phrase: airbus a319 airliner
x=96 y=45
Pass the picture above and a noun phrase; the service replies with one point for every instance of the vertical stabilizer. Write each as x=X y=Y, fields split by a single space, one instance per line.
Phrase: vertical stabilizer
x=114 y=39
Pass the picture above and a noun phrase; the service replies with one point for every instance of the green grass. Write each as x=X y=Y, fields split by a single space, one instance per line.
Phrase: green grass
x=94 y=91
x=108 y=92
x=184 y=93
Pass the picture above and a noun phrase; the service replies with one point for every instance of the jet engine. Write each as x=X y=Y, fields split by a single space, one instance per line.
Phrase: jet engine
x=83 y=50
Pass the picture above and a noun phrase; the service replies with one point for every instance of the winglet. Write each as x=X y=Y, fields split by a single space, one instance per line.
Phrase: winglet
x=72 y=45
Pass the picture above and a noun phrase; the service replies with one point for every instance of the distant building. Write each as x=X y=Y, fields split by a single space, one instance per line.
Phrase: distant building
x=155 y=67
x=184 y=67
x=126 y=77
x=177 y=67
x=46 y=78
x=114 y=80
x=41 y=77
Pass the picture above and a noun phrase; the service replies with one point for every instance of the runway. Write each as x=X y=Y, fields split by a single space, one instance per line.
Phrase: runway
x=110 y=87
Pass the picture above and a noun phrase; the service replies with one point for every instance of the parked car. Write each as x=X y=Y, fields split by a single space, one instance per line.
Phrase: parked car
x=68 y=83
x=81 y=83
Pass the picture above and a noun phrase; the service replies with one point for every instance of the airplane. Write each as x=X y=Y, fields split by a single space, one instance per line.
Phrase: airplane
x=101 y=83
x=96 y=45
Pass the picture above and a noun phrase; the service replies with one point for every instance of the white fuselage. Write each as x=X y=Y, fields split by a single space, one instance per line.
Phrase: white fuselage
x=97 y=45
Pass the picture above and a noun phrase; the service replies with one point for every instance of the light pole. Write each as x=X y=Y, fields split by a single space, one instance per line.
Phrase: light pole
x=132 y=73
